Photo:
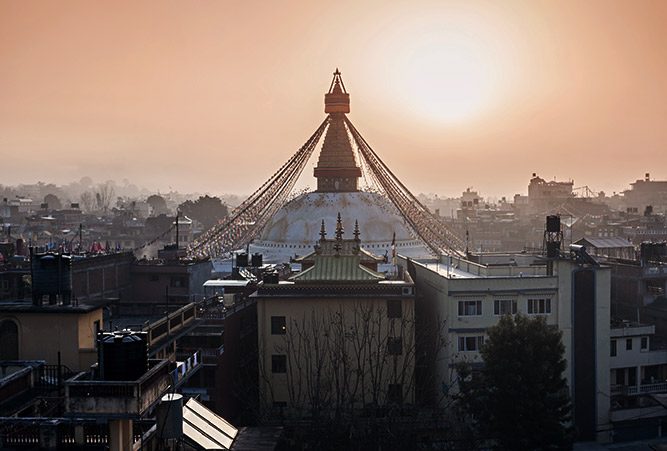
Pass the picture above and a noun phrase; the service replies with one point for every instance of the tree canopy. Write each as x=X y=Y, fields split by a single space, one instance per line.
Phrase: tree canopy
x=53 y=201
x=520 y=398
x=207 y=210
x=158 y=204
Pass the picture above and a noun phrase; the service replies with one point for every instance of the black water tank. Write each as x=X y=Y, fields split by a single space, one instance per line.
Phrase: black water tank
x=257 y=260
x=52 y=276
x=553 y=223
x=242 y=260
x=123 y=356
x=271 y=277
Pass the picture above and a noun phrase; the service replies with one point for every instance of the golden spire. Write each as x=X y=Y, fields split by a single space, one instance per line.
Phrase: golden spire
x=337 y=169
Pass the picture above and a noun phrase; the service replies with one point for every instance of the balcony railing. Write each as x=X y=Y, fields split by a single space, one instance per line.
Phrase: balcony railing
x=660 y=387
x=118 y=398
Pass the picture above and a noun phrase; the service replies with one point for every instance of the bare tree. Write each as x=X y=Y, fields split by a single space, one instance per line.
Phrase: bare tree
x=87 y=201
x=104 y=195
x=347 y=365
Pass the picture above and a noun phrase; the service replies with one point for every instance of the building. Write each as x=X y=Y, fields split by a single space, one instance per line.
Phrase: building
x=58 y=334
x=338 y=335
x=643 y=193
x=638 y=377
x=460 y=300
x=170 y=279
x=614 y=247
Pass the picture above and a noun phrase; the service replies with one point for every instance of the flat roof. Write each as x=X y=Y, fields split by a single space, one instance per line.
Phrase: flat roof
x=25 y=306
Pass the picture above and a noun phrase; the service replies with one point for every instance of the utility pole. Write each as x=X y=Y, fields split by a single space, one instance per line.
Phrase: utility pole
x=177 y=237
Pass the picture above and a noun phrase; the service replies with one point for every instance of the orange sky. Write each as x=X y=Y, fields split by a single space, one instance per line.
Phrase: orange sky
x=215 y=95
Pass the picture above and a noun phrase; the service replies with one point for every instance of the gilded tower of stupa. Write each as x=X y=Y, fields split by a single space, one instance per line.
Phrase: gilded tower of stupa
x=337 y=169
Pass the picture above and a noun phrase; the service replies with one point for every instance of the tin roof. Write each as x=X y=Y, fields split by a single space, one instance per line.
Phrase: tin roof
x=337 y=268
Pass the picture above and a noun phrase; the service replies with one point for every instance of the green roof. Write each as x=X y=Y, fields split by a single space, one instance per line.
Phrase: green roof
x=337 y=268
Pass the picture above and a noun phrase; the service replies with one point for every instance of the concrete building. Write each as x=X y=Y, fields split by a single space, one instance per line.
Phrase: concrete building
x=338 y=335
x=57 y=333
x=638 y=377
x=462 y=299
x=643 y=193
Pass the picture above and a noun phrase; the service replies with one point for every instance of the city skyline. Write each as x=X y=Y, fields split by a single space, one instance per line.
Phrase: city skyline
x=215 y=97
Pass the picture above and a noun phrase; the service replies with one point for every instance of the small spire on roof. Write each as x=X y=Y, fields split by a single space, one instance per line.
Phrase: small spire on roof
x=323 y=232
x=356 y=230
x=339 y=228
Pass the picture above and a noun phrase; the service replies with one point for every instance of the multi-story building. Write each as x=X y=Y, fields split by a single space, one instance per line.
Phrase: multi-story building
x=338 y=335
x=461 y=300
x=638 y=377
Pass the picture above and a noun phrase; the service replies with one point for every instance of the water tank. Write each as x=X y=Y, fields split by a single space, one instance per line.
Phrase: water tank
x=553 y=223
x=169 y=416
x=257 y=260
x=242 y=260
x=52 y=276
x=271 y=277
x=123 y=356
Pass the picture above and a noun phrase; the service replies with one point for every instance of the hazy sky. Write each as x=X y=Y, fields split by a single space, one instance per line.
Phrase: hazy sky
x=215 y=95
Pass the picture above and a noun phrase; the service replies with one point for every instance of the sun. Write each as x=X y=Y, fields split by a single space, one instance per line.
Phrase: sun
x=447 y=66
x=447 y=82
x=447 y=78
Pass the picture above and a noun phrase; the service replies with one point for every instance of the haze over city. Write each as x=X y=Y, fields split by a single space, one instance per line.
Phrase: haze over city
x=214 y=97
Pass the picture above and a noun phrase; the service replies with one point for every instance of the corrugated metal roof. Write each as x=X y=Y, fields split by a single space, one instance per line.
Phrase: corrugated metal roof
x=606 y=243
x=333 y=268
x=205 y=428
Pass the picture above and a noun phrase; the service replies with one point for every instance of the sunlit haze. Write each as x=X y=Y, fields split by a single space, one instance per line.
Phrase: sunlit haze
x=215 y=96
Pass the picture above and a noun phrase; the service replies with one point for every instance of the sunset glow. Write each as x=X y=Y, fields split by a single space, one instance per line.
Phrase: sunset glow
x=239 y=86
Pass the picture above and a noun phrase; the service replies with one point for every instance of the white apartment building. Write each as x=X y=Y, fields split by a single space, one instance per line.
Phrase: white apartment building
x=468 y=298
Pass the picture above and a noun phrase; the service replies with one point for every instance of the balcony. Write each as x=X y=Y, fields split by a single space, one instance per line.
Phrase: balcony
x=629 y=390
x=118 y=399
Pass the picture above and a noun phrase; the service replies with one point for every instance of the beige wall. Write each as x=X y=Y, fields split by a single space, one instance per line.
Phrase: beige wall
x=43 y=335
x=315 y=332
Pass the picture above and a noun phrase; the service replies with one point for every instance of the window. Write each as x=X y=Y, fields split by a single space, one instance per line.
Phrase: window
x=394 y=393
x=9 y=340
x=644 y=344
x=628 y=344
x=178 y=282
x=539 y=306
x=613 y=348
x=278 y=363
x=470 y=308
x=504 y=307
x=278 y=325
x=394 y=308
x=467 y=344
x=394 y=346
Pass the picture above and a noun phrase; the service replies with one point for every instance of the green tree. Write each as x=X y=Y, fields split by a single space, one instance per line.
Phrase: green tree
x=207 y=210
x=520 y=398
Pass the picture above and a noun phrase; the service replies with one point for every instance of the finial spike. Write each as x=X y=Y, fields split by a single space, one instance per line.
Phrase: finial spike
x=356 y=230
x=339 y=228
x=323 y=232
